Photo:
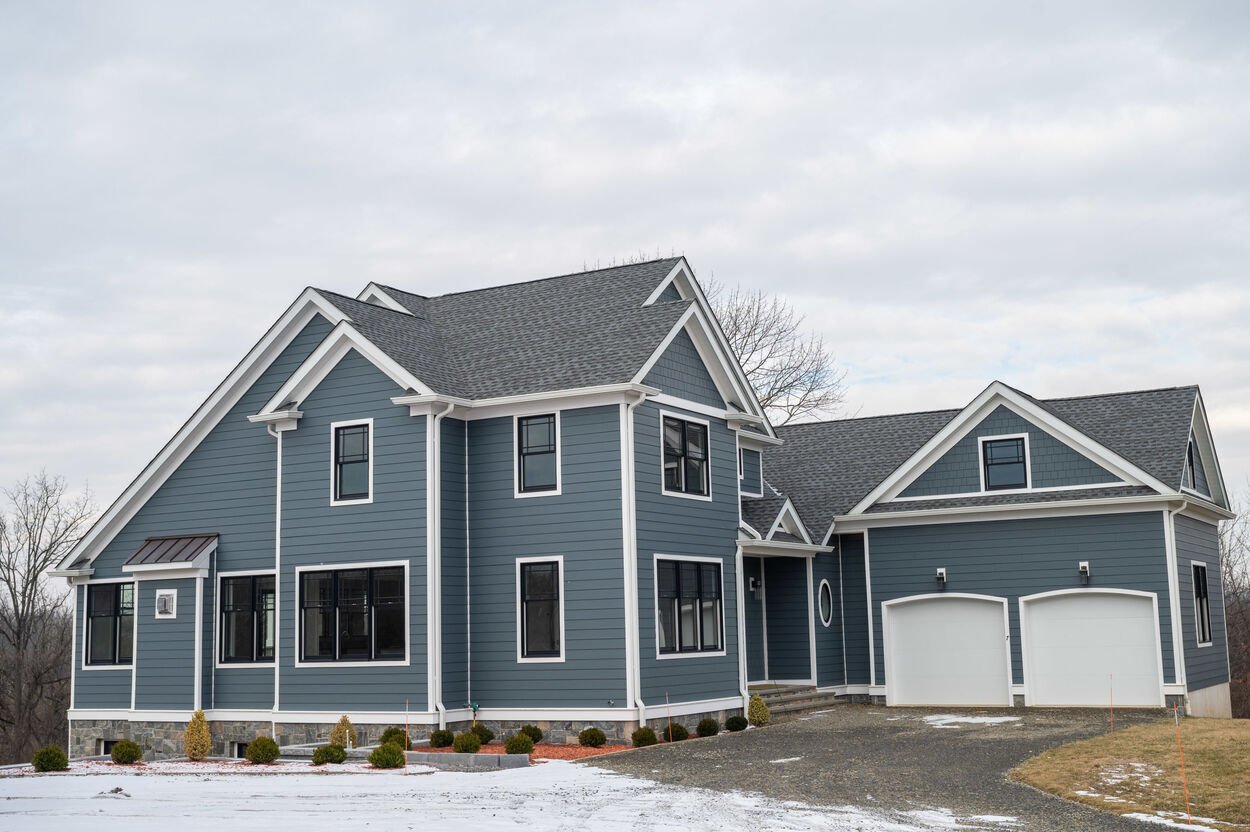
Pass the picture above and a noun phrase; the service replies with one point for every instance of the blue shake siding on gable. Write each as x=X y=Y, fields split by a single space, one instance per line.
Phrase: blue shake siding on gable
x=165 y=649
x=1198 y=541
x=1012 y=558
x=681 y=526
x=583 y=525
x=316 y=534
x=107 y=687
x=1052 y=462
x=681 y=372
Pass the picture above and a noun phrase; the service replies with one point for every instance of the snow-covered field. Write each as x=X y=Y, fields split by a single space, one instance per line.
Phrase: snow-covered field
x=552 y=796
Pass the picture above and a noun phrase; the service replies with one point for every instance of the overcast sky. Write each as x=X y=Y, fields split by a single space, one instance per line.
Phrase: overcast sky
x=1057 y=197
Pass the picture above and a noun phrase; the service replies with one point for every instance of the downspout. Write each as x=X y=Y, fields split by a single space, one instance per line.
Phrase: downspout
x=277 y=591
x=1174 y=589
x=434 y=570
x=632 y=645
x=743 y=687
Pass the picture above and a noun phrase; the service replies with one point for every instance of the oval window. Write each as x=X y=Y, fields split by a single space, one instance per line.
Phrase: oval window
x=826 y=603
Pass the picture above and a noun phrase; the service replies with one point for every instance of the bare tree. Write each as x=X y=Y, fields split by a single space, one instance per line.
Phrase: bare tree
x=1235 y=567
x=40 y=524
x=792 y=371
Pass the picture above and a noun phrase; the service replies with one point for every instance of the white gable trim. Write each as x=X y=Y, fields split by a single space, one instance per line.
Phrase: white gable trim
x=325 y=358
x=664 y=284
x=376 y=295
x=788 y=521
x=990 y=398
x=1200 y=430
x=227 y=394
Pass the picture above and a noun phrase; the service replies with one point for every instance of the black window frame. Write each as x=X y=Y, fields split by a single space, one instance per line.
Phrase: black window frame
x=364 y=458
x=1022 y=460
x=258 y=615
x=1191 y=468
x=524 y=452
x=371 y=605
x=1202 y=604
x=524 y=599
x=115 y=617
x=708 y=575
x=678 y=458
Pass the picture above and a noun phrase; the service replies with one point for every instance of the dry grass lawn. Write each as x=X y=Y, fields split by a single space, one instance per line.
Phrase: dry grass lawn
x=1138 y=770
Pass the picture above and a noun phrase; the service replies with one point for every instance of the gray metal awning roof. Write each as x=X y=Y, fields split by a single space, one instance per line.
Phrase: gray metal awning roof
x=174 y=550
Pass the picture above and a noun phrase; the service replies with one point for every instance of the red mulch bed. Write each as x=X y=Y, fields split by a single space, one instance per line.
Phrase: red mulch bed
x=542 y=751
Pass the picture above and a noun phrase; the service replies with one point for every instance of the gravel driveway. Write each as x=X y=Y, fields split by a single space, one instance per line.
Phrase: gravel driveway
x=891 y=760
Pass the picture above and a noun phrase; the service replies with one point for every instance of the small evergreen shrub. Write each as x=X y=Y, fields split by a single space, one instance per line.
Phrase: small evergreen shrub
x=387 y=755
x=518 y=744
x=674 y=732
x=643 y=737
x=483 y=733
x=396 y=736
x=533 y=732
x=329 y=754
x=343 y=734
x=736 y=723
x=263 y=750
x=467 y=743
x=50 y=758
x=592 y=737
x=441 y=738
x=126 y=752
x=707 y=727
x=757 y=711
x=197 y=743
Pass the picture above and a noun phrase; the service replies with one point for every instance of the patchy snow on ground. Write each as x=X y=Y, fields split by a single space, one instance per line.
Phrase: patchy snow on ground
x=206 y=767
x=955 y=720
x=1104 y=797
x=553 y=796
x=1170 y=822
x=946 y=819
x=1138 y=774
x=786 y=760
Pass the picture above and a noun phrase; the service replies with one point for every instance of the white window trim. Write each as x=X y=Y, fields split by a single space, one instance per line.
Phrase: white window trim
x=516 y=455
x=1193 y=586
x=217 y=662
x=559 y=560
x=338 y=567
x=334 y=426
x=1028 y=463
x=655 y=595
x=134 y=645
x=156 y=604
x=672 y=414
x=825 y=585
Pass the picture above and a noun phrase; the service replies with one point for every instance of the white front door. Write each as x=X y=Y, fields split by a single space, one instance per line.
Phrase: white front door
x=947 y=650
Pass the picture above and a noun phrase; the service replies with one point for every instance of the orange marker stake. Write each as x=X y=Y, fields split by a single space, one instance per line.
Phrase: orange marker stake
x=1176 y=715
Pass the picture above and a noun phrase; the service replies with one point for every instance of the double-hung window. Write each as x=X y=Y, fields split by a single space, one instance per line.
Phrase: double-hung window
x=110 y=623
x=539 y=627
x=538 y=468
x=248 y=619
x=685 y=457
x=1202 y=604
x=352 y=615
x=690 y=615
x=1004 y=463
x=353 y=473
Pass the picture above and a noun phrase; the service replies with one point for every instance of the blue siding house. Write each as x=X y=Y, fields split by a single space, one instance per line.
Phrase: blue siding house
x=560 y=502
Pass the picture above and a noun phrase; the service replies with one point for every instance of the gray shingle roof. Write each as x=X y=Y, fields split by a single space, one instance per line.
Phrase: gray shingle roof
x=828 y=467
x=576 y=330
x=761 y=513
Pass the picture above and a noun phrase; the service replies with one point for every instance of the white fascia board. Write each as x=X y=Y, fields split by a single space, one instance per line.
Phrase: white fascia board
x=376 y=295
x=794 y=527
x=758 y=441
x=991 y=397
x=1201 y=430
x=326 y=357
x=664 y=284
x=307 y=306
x=752 y=534
x=471 y=409
x=764 y=548
x=851 y=523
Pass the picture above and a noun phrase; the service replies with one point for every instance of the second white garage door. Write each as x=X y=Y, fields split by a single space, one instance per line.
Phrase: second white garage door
x=1089 y=648
x=946 y=650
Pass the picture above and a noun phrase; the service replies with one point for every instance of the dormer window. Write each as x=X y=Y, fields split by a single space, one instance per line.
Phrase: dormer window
x=1004 y=464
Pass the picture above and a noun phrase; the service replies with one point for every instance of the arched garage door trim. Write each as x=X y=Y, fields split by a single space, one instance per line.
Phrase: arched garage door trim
x=886 y=606
x=1026 y=659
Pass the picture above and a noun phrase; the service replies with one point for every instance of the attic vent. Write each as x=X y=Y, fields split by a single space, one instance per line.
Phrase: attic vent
x=166 y=603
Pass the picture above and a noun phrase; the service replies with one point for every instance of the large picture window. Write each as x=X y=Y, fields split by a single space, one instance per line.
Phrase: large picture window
x=248 y=618
x=690 y=615
x=537 y=465
x=353 y=477
x=685 y=457
x=540 y=626
x=353 y=615
x=1202 y=604
x=110 y=623
x=1005 y=463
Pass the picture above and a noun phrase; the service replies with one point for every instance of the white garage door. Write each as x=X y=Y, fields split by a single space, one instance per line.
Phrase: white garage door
x=1084 y=648
x=946 y=650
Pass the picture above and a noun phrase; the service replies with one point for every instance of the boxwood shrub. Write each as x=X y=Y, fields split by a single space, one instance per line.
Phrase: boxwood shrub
x=329 y=754
x=396 y=736
x=262 y=751
x=50 y=758
x=736 y=723
x=126 y=752
x=467 y=743
x=518 y=744
x=643 y=737
x=387 y=755
x=674 y=732
x=707 y=727
x=533 y=732
x=441 y=738
x=483 y=733
x=592 y=737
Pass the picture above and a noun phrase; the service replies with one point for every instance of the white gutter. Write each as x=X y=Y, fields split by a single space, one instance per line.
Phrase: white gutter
x=1174 y=605
x=438 y=398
